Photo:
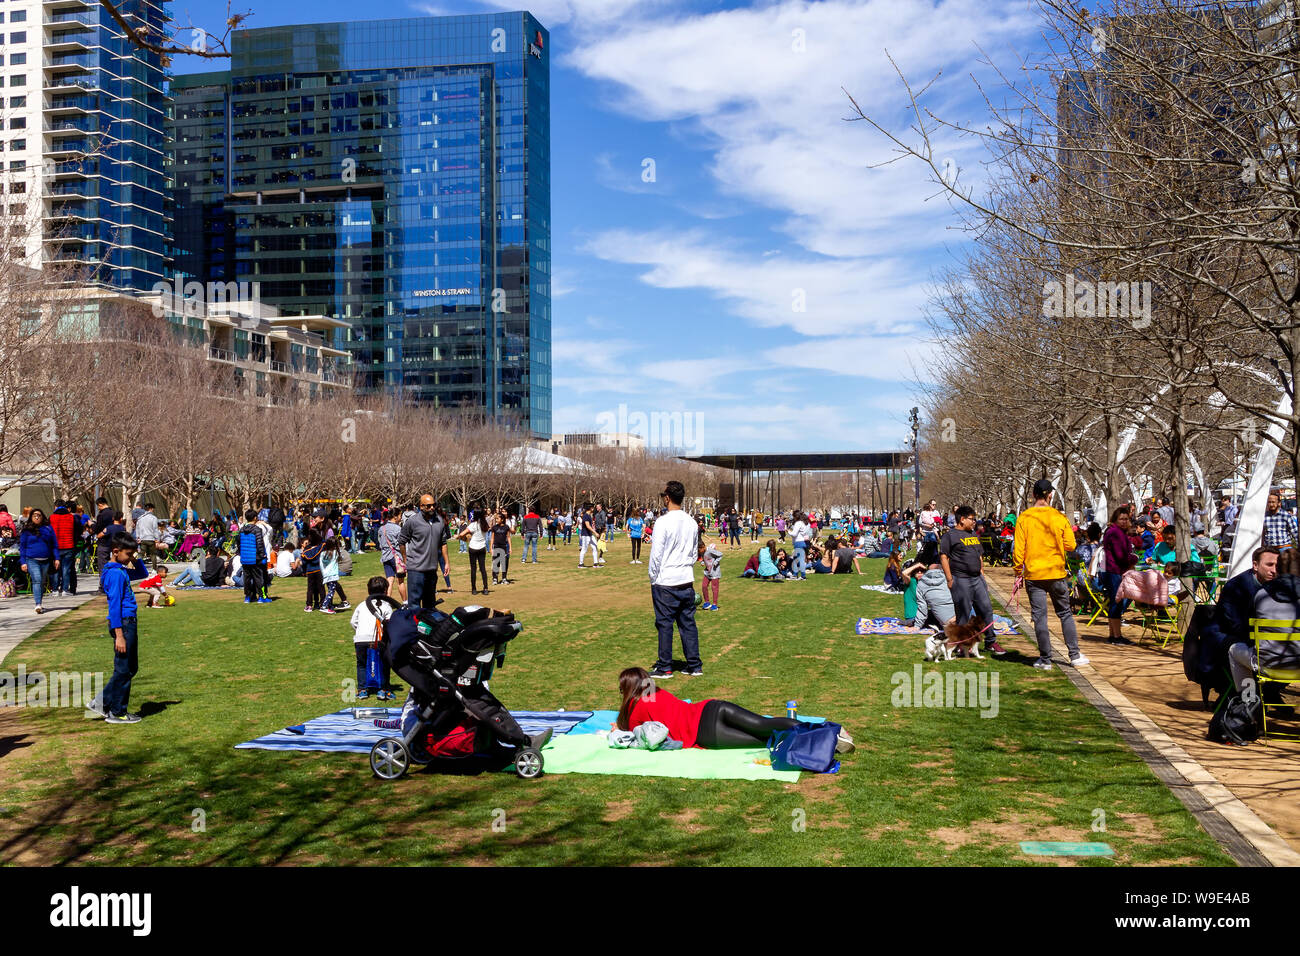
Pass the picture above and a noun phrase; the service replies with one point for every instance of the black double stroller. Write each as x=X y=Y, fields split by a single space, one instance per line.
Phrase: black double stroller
x=447 y=659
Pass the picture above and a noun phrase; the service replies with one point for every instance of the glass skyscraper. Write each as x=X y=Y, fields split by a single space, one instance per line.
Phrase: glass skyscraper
x=96 y=117
x=393 y=173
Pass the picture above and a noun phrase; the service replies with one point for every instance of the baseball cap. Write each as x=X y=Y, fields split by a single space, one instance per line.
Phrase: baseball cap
x=1043 y=487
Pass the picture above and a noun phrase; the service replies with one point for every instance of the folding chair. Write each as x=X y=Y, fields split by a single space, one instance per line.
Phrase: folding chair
x=990 y=549
x=1099 y=602
x=1160 y=622
x=1264 y=630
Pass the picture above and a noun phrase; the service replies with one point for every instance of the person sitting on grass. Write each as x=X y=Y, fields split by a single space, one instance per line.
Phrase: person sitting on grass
x=934 y=603
x=894 y=573
x=844 y=559
x=767 y=569
x=365 y=627
x=751 y=566
x=216 y=568
x=707 y=724
x=783 y=563
x=191 y=576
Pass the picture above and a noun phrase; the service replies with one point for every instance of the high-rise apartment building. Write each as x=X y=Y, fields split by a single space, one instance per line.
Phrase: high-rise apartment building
x=84 y=117
x=395 y=174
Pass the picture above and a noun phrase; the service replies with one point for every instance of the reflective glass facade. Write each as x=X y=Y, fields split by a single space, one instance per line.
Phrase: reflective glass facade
x=104 y=111
x=393 y=173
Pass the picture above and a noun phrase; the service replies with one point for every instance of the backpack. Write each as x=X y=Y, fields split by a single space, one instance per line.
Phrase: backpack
x=275 y=517
x=806 y=747
x=1236 y=722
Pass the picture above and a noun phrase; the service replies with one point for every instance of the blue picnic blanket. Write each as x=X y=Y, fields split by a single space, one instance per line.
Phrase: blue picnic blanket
x=340 y=732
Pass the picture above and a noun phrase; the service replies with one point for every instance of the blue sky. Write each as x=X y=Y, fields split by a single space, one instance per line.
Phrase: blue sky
x=682 y=294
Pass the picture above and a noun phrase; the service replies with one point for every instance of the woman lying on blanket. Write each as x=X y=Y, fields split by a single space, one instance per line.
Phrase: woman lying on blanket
x=708 y=724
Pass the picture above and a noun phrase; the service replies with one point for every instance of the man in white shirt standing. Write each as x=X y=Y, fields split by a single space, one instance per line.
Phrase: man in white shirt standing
x=674 y=548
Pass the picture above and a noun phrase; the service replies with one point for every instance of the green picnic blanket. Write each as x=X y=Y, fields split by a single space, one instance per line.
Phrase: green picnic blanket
x=591 y=753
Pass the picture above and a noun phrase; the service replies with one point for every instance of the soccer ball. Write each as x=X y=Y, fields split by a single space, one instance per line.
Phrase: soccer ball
x=168 y=600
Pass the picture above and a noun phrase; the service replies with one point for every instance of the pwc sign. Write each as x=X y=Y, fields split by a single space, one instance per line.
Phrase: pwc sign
x=535 y=48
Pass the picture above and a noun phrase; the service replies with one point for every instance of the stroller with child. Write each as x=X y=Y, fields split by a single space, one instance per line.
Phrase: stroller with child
x=447 y=659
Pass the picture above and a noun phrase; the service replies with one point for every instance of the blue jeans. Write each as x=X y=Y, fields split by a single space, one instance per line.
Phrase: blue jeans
x=530 y=541
x=117 y=692
x=801 y=559
x=415 y=585
x=67 y=573
x=188 y=577
x=676 y=605
x=38 y=572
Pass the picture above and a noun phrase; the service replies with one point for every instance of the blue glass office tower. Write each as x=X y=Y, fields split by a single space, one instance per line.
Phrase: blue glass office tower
x=104 y=108
x=393 y=173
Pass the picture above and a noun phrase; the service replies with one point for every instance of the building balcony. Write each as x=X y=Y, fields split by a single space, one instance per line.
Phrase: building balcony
x=71 y=128
x=220 y=355
x=70 y=42
x=85 y=19
x=56 y=6
x=280 y=367
x=72 y=63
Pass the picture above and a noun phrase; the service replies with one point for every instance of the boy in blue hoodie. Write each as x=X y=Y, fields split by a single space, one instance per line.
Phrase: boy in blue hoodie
x=115 y=581
x=252 y=558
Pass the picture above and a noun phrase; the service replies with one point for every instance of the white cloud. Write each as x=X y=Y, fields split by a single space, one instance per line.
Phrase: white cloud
x=815 y=296
x=774 y=115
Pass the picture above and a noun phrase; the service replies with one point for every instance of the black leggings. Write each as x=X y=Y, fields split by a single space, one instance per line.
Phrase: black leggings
x=551 y=532
x=724 y=724
x=636 y=549
x=477 y=563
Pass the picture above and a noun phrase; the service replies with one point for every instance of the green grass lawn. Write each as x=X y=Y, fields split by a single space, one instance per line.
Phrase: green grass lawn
x=926 y=785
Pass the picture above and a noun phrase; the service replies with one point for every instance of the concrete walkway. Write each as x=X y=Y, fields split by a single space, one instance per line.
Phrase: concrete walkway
x=19 y=620
x=1245 y=797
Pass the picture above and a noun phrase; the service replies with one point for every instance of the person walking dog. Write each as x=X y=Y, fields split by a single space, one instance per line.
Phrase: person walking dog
x=1043 y=538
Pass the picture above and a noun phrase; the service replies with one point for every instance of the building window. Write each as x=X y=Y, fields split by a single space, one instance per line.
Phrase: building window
x=17 y=102
x=18 y=16
x=17 y=164
x=19 y=187
x=18 y=209
x=18 y=79
x=18 y=37
x=16 y=144
x=17 y=59
x=18 y=122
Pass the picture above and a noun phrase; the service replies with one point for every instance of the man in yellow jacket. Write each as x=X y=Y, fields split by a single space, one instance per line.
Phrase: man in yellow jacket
x=1043 y=537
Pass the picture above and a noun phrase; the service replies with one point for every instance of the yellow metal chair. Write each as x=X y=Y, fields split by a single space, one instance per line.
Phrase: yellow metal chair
x=1265 y=630
x=1160 y=622
x=1099 y=602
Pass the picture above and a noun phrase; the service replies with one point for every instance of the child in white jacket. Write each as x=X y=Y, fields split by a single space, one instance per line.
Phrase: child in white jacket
x=365 y=625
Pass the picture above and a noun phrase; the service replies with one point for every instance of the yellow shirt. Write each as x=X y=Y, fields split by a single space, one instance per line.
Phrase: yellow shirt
x=1043 y=536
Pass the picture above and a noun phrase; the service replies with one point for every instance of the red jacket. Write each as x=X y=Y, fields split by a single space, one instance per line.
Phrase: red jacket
x=681 y=719
x=65 y=529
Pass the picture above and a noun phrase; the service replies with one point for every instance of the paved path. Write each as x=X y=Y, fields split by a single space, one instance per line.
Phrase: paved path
x=1159 y=715
x=19 y=620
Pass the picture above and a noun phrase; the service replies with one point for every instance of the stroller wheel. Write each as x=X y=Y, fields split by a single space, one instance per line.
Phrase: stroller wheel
x=389 y=758
x=528 y=763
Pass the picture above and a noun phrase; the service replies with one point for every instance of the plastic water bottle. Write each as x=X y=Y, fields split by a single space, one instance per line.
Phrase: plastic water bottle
x=792 y=709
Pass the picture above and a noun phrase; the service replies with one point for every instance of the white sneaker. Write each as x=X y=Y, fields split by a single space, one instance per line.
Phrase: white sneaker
x=1043 y=664
x=1081 y=659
